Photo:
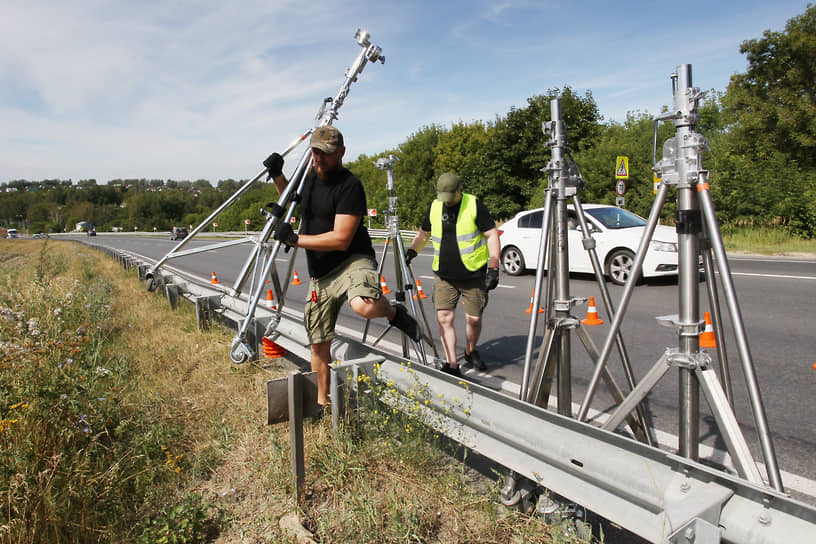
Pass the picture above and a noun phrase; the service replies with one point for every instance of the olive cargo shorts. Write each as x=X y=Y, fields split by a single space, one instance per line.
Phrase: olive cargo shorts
x=446 y=294
x=355 y=277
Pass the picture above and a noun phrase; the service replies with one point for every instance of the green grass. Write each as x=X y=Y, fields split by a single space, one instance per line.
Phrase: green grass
x=120 y=422
x=765 y=241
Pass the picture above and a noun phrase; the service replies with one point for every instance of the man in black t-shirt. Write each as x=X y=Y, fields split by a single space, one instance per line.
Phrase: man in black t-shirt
x=466 y=263
x=339 y=253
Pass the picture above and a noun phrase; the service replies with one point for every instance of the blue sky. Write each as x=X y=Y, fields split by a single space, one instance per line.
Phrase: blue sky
x=177 y=89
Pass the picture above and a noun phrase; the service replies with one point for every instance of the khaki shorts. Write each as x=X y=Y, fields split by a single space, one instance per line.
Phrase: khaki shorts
x=355 y=277
x=446 y=294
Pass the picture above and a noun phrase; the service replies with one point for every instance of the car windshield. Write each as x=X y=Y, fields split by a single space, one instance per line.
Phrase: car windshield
x=616 y=218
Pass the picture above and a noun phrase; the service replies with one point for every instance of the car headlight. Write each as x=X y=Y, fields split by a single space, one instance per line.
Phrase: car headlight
x=663 y=246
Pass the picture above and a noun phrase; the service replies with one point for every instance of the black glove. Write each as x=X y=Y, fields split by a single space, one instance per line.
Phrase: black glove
x=274 y=164
x=491 y=279
x=283 y=233
x=409 y=255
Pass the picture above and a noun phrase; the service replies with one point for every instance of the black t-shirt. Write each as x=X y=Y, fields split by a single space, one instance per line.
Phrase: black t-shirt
x=321 y=201
x=450 y=263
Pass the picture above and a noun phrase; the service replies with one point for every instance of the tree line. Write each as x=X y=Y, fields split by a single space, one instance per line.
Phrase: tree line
x=761 y=132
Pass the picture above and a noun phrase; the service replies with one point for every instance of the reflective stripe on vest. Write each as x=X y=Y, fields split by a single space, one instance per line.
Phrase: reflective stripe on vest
x=472 y=244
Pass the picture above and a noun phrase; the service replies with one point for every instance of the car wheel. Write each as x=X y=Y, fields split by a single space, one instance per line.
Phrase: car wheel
x=512 y=261
x=619 y=266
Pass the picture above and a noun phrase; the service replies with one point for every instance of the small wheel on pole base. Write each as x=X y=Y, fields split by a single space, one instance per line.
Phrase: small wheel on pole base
x=240 y=352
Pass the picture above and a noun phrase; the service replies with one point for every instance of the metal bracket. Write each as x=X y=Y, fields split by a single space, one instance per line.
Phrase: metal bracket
x=695 y=531
x=672 y=321
x=691 y=361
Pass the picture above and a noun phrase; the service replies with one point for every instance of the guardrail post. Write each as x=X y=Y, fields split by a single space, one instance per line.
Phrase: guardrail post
x=295 y=391
x=204 y=307
x=173 y=293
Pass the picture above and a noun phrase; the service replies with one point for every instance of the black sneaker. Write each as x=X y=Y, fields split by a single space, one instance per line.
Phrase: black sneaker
x=455 y=372
x=406 y=323
x=475 y=360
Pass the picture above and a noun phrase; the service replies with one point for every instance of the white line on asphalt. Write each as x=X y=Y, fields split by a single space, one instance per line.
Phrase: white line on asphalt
x=773 y=276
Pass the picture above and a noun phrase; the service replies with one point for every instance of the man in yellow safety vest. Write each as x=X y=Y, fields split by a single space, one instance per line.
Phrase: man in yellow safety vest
x=466 y=264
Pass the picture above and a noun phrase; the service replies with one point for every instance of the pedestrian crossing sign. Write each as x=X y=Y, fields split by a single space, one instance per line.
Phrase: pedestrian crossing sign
x=622 y=168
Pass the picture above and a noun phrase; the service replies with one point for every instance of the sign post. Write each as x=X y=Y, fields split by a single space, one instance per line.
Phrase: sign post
x=621 y=174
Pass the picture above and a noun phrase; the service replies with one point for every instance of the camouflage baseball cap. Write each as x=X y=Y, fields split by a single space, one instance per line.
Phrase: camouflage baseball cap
x=446 y=186
x=327 y=139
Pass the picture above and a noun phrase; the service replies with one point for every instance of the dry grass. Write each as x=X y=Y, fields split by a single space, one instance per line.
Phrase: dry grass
x=370 y=483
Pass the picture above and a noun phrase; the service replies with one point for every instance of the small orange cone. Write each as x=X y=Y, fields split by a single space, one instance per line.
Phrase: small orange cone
x=385 y=288
x=214 y=278
x=272 y=350
x=530 y=309
x=296 y=280
x=420 y=293
x=707 y=339
x=592 y=314
x=270 y=300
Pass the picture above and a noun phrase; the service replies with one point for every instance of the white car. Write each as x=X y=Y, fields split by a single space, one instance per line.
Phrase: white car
x=617 y=233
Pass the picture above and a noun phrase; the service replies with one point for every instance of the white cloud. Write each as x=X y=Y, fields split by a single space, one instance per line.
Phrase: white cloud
x=189 y=89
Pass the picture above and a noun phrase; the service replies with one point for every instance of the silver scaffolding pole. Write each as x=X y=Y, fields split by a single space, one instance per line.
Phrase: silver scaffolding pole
x=261 y=262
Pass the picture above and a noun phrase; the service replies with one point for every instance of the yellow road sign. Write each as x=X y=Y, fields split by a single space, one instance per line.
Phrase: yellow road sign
x=622 y=168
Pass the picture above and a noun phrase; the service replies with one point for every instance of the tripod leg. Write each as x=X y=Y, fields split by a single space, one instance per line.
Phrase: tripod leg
x=660 y=368
x=716 y=317
x=422 y=311
x=380 y=268
x=589 y=246
x=729 y=427
x=760 y=419
x=539 y=393
x=531 y=333
x=638 y=427
x=625 y=297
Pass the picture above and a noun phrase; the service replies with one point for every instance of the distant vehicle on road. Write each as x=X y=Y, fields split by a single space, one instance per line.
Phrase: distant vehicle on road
x=178 y=233
x=92 y=231
x=41 y=235
x=617 y=234
x=11 y=233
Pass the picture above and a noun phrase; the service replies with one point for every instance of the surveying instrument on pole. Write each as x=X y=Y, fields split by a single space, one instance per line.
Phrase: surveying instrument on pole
x=681 y=166
x=260 y=264
x=402 y=270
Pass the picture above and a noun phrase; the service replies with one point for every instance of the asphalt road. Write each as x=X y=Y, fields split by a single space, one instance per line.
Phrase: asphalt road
x=776 y=298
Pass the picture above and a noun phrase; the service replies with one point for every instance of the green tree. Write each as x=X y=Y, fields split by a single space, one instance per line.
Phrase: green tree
x=766 y=162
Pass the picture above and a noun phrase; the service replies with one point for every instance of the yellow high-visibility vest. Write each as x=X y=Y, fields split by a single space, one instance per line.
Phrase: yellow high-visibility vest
x=472 y=244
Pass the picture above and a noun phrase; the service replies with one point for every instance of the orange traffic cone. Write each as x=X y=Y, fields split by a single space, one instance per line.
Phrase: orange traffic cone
x=214 y=278
x=592 y=314
x=420 y=293
x=296 y=280
x=270 y=300
x=272 y=350
x=385 y=288
x=707 y=339
x=530 y=309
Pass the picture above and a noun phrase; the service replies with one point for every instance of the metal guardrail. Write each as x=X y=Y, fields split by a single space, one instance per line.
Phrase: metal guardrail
x=657 y=495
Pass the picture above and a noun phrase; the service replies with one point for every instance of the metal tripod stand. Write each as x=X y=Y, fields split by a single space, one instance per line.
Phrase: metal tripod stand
x=555 y=354
x=261 y=261
x=681 y=167
x=402 y=270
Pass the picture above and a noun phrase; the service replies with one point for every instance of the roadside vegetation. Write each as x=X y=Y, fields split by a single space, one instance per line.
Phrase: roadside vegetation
x=121 y=422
